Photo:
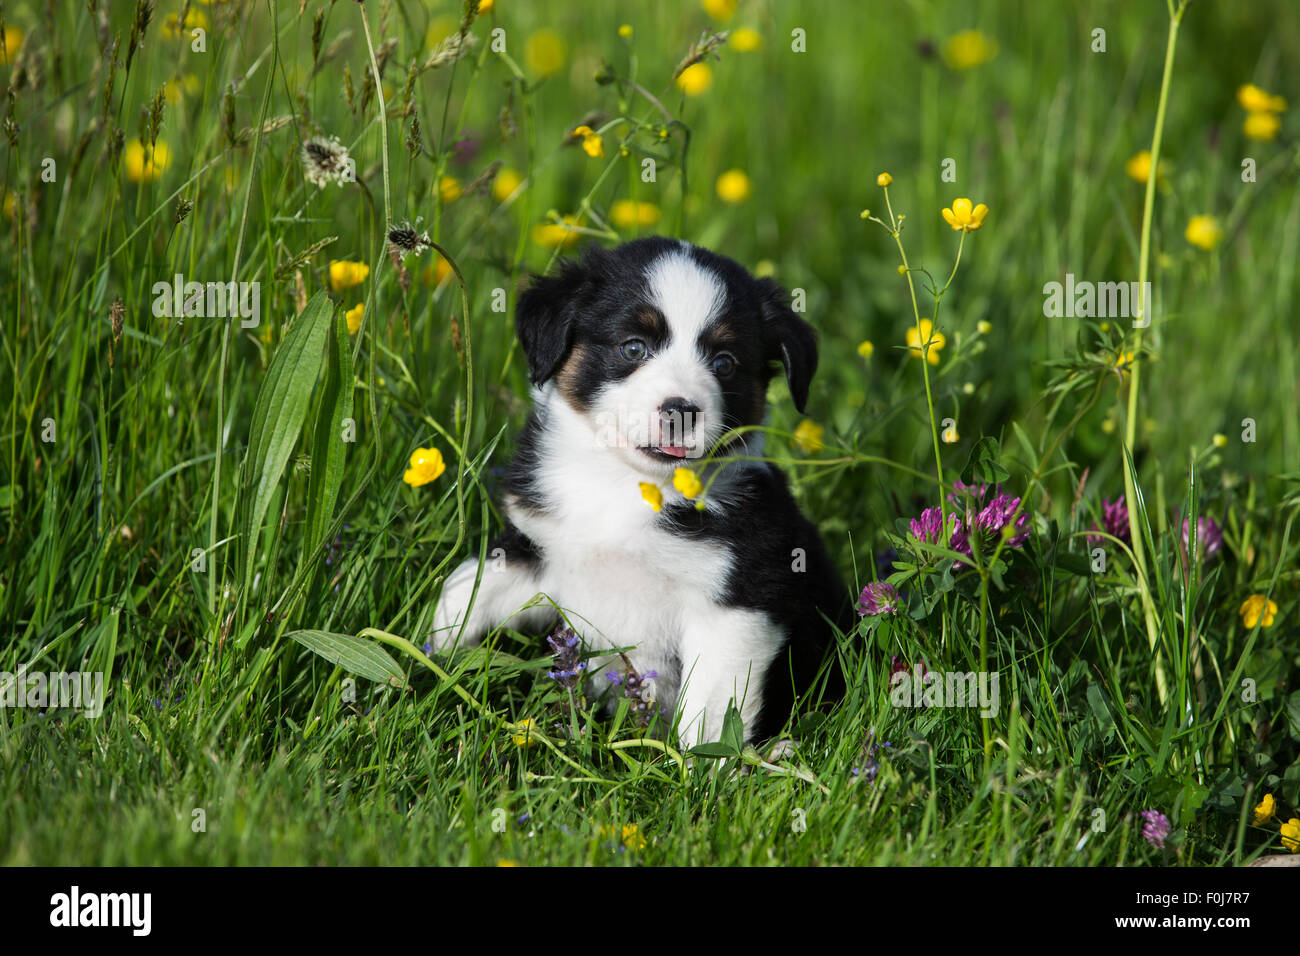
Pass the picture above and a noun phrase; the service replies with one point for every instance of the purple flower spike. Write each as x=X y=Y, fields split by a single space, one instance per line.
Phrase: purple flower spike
x=565 y=649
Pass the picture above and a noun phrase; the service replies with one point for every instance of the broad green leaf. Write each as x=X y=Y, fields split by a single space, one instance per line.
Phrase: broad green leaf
x=328 y=447
x=713 y=750
x=279 y=414
x=354 y=654
x=733 y=730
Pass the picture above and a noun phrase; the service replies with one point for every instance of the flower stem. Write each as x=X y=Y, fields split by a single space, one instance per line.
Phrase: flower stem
x=383 y=116
x=1144 y=262
x=925 y=370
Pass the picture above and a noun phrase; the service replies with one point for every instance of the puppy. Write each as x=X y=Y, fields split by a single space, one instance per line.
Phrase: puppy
x=642 y=358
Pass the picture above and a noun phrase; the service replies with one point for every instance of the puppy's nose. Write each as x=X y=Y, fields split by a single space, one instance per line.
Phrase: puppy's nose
x=677 y=417
x=678 y=405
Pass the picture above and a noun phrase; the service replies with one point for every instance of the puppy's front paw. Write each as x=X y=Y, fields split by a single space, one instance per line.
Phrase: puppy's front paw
x=453 y=607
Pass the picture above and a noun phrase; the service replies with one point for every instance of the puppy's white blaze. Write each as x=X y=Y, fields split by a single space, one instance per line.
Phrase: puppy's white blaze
x=688 y=294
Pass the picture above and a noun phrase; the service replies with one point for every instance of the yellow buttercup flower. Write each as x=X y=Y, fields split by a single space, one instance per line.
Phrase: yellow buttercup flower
x=625 y=31
x=983 y=328
x=684 y=480
x=1220 y=440
x=522 y=732
x=632 y=838
x=866 y=349
x=554 y=234
x=485 y=6
x=592 y=144
x=695 y=79
x=435 y=272
x=1204 y=232
x=808 y=436
x=172 y=26
x=353 y=315
x=1124 y=360
x=1255 y=100
x=439 y=29
x=1291 y=835
x=917 y=337
x=544 y=52
x=745 y=40
x=426 y=465
x=1138 y=166
x=1261 y=126
x=720 y=9
x=627 y=213
x=884 y=179
x=145 y=164
x=177 y=89
x=963 y=218
x=345 y=274
x=1266 y=810
x=969 y=49
x=11 y=40
x=505 y=183
x=1257 y=609
x=449 y=189
x=733 y=186
x=652 y=495
x=503 y=861
x=630 y=835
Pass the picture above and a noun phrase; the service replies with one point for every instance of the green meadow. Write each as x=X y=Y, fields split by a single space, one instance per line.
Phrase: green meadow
x=237 y=502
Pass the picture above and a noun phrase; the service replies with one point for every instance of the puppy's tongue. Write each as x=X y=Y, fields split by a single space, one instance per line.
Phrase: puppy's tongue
x=677 y=451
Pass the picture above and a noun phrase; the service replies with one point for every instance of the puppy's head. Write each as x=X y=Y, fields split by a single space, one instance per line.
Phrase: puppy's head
x=662 y=347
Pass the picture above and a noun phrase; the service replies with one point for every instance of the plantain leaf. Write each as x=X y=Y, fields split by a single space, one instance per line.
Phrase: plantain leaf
x=354 y=654
x=328 y=446
x=278 y=417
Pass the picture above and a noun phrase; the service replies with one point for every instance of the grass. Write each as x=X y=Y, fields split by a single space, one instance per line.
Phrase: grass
x=183 y=513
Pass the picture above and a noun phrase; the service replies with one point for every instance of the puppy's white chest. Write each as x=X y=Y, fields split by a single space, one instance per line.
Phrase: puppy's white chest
x=628 y=587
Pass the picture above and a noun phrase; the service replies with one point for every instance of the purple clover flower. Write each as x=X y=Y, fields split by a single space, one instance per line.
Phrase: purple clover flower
x=985 y=520
x=878 y=598
x=1114 y=519
x=927 y=527
x=1209 y=537
x=1156 y=828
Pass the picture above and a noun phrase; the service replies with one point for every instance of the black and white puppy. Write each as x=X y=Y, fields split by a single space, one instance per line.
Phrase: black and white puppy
x=642 y=358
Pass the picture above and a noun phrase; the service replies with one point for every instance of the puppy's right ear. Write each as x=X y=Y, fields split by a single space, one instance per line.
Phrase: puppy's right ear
x=545 y=319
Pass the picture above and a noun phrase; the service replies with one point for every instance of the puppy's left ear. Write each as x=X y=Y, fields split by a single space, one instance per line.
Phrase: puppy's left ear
x=789 y=340
x=545 y=318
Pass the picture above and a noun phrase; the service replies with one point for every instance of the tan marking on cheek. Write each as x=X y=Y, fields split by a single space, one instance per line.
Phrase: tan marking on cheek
x=566 y=379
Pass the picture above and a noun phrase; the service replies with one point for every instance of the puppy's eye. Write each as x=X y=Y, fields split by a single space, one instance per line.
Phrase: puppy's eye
x=723 y=364
x=634 y=350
